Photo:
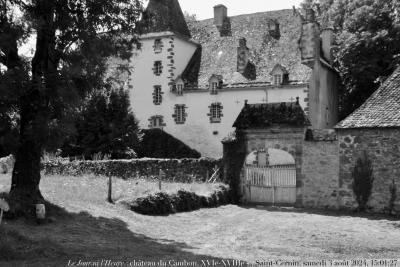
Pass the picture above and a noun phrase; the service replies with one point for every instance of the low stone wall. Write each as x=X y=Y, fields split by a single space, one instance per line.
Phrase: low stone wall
x=320 y=170
x=178 y=170
x=383 y=149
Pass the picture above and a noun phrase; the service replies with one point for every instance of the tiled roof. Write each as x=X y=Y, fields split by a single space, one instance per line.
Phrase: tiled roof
x=219 y=54
x=162 y=16
x=381 y=110
x=256 y=116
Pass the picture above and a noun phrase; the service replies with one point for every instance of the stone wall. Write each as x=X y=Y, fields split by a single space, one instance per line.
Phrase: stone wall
x=320 y=170
x=383 y=149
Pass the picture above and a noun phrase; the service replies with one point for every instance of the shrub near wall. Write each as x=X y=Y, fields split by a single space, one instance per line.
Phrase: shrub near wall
x=177 y=170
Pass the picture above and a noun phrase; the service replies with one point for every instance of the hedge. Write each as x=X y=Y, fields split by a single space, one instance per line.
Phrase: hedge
x=164 y=204
x=175 y=170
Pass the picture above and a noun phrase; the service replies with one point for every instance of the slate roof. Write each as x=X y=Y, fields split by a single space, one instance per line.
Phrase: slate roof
x=381 y=110
x=219 y=54
x=256 y=116
x=162 y=16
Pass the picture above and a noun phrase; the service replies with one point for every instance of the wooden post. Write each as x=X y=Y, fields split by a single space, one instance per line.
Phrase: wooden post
x=109 y=197
x=160 y=175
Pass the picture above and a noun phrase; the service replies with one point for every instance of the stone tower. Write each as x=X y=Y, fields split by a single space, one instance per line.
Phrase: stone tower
x=315 y=47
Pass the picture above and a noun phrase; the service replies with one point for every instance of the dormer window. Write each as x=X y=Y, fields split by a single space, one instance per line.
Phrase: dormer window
x=158 y=45
x=277 y=79
x=215 y=83
x=279 y=75
x=214 y=87
x=179 y=89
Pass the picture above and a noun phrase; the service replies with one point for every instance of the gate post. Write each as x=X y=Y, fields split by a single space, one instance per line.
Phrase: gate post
x=234 y=155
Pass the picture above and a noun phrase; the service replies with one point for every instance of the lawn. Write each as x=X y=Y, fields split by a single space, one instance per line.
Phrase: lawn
x=86 y=227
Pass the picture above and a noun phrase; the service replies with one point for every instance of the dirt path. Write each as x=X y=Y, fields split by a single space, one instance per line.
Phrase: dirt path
x=95 y=229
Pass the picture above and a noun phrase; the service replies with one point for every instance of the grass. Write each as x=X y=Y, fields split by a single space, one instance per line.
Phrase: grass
x=87 y=227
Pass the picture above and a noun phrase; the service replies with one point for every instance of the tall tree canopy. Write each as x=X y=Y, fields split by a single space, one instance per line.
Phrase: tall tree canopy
x=74 y=39
x=368 y=44
x=106 y=125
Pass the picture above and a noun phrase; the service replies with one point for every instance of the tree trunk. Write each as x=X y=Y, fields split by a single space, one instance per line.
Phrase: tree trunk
x=34 y=114
x=25 y=192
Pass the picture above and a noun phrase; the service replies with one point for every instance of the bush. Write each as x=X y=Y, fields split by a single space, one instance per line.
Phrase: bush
x=158 y=144
x=163 y=204
x=362 y=181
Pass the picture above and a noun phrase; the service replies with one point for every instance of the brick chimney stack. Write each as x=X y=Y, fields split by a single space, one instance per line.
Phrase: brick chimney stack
x=220 y=15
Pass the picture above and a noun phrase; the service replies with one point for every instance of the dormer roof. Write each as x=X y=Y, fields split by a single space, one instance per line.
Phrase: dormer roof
x=279 y=67
x=215 y=76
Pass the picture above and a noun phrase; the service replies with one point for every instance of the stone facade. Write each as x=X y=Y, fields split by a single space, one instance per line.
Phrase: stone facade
x=383 y=148
x=320 y=171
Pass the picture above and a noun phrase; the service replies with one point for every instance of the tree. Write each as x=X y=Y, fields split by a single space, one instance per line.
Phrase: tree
x=368 y=50
x=74 y=38
x=363 y=180
x=106 y=125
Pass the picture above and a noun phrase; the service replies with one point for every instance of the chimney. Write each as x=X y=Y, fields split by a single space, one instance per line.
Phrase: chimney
x=309 y=42
x=328 y=40
x=242 y=56
x=220 y=14
x=310 y=15
x=274 y=30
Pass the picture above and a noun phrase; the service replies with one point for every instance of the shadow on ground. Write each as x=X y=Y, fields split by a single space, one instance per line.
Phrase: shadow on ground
x=333 y=213
x=71 y=237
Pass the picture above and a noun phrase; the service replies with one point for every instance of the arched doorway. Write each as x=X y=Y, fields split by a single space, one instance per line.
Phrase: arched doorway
x=269 y=177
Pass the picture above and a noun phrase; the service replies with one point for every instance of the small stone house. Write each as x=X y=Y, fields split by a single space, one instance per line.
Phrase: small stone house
x=374 y=128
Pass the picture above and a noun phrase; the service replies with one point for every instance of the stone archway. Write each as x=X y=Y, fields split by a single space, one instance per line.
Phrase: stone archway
x=288 y=139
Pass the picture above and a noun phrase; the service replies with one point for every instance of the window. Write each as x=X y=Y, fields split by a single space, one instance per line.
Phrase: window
x=157 y=95
x=277 y=79
x=158 y=45
x=179 y=88
x=215 y=112
x=156 y=121
x=180 y=114
x=157 y=68
x=214 y=87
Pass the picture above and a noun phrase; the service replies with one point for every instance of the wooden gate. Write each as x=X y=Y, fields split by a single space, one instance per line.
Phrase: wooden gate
x=274 y=185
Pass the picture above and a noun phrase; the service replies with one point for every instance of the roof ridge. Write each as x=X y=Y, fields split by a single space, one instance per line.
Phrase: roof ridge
x=247 y=14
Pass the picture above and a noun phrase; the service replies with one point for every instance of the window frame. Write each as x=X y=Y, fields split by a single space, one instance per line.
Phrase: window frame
x=157 y=67
x=157 y=95
x=158 y=45
x=215 y=112
x=180 y=113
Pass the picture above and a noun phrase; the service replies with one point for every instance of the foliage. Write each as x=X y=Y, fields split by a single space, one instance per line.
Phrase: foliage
x=158 y=144
x=363 y=180
x=183 y=170
x=164 y=204
x=368 y=37
x=74 y=41
x=106 y=125
x=265 y=115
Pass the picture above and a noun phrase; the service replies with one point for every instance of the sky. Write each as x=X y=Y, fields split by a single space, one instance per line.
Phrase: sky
x=204 y=8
